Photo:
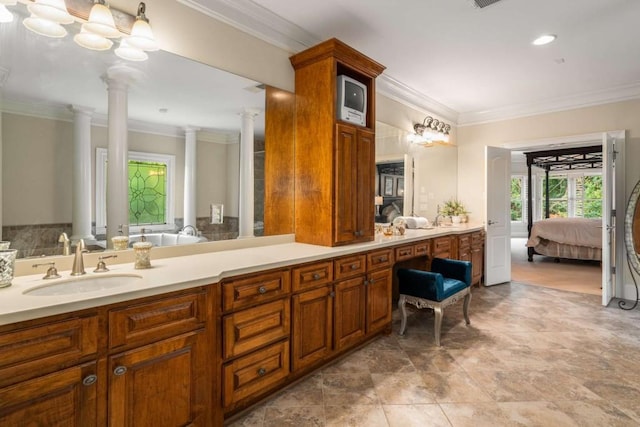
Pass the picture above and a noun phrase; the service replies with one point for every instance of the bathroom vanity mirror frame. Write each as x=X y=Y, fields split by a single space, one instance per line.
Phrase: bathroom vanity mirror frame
x=153 y=113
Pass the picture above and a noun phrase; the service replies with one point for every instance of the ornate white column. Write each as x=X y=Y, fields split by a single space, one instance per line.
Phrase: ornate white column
x=118 y=79
x=246 y=173
x=81 y=196
x=190 y=151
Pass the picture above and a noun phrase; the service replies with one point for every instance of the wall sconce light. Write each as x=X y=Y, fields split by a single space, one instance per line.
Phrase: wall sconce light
x=430 y=131
x=5 y=14
x=48 y=16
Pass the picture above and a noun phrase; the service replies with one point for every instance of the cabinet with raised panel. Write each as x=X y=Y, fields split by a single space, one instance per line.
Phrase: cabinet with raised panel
x=334 y=160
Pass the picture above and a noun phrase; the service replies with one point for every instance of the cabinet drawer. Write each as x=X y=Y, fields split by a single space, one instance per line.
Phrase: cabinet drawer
x=405 y=252
x=442 y=247
x=150 y=321
x=350 y=266
x=251 y=375
x=312 y=275
x=423 y=249
x=26 y=353
x=254 y=289
x=247 y=330
x=379 y=259
x=464 y=241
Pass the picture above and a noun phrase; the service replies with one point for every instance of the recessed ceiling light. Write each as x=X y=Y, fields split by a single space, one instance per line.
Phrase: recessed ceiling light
x=545 y=39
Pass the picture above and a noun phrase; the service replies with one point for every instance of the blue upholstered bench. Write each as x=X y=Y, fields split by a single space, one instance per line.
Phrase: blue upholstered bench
x=447 y=282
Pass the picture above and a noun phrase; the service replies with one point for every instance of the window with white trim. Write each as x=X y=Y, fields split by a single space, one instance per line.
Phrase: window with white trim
x=151 y=189
x=572 y=195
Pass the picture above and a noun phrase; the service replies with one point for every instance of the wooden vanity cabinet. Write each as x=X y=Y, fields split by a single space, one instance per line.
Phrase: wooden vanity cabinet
x=334 y=160
x=49 y=373
x=471 y=248
x=256 y=326
x=159 y=363
x=144 y=362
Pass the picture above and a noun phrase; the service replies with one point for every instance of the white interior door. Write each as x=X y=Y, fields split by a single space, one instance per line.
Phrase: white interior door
x=612 y=213
x=497 y=214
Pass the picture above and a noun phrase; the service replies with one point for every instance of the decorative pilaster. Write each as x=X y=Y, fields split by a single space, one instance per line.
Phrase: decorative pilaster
x=81 y=197
x=190 y=151
x=247 y=173
x=118 y=79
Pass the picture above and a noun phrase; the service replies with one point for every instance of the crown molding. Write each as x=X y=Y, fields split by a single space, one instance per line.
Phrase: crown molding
x=256 y=20
x=586 y=99
x=400 y=92
x=54 y=111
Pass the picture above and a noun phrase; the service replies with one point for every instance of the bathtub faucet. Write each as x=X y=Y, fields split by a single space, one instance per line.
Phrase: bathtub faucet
x=185 y=230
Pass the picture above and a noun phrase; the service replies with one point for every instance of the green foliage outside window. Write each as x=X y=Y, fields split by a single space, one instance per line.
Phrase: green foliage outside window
x=558 y=196
x=147 y=192
x=592 y=196
x=516 y=199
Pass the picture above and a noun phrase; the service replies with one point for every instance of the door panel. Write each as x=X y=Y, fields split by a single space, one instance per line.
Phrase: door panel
x=498 y=226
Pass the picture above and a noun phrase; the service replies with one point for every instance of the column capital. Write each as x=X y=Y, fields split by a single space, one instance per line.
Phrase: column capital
x=191 y=129
x=121 y=76
x=79 y=109
x=250 y=112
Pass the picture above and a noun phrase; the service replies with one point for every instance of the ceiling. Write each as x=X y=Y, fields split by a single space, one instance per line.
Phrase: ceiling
x=467 y=64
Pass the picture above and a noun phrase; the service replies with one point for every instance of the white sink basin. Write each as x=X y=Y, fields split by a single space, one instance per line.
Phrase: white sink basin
x=81 y=284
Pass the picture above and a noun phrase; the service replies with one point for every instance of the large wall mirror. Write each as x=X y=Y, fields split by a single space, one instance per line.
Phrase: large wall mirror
x=41 y=78
x=410 y=178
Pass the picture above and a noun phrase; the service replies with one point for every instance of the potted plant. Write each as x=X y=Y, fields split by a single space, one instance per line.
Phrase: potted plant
x=455 y=209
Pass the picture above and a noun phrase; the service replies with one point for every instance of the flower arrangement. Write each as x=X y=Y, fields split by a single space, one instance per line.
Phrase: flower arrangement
x=453 y=207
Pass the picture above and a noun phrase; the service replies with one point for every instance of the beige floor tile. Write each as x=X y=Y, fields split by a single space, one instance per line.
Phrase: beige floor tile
x=309 y=416
x=401 y=389
x=596 y=414
x=349 y=389
x=415 y=415
x=536 y=414
x=474 y=415
x=454 y=387
x=355 y=416
x=629 y=407
x=306 y=393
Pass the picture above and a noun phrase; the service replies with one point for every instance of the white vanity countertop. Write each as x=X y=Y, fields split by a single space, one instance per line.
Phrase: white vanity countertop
x=184 y=272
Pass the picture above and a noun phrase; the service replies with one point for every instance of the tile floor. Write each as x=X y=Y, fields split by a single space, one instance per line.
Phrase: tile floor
x=532 y=356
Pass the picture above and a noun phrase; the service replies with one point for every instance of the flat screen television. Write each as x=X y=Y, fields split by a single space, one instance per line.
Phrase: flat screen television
x=351 y=100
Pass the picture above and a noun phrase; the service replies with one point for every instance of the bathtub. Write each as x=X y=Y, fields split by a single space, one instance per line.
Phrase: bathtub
x=166 y=239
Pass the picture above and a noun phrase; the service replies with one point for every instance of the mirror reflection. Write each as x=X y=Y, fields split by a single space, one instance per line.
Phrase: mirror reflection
x=48 y=85
x=412 y=179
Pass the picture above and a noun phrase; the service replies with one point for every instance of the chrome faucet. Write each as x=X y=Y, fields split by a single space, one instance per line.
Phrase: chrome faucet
x=64 y=239
x=194 y=231
x=78 y=261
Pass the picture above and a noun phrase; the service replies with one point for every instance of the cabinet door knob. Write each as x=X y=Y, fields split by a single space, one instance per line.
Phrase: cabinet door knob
x=90 y=379
x=262 y=290
x=316 y=276
x=120 y=370
x=332 y=294
x=382 y=259
x=262 y=372
x=372 y=281
x=354 y=266
x=366 y=282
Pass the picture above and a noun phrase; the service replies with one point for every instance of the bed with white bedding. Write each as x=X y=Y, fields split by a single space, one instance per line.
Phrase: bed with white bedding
x=573 y=238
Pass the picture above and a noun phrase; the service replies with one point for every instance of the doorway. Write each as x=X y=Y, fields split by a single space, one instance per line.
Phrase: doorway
x=613 y=201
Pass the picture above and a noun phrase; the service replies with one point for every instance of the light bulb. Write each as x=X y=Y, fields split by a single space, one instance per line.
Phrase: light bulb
x=44 y=27
x=101 y=22
x=90 y=40
x=142 y=36
x=53 y=10
x=130 y=53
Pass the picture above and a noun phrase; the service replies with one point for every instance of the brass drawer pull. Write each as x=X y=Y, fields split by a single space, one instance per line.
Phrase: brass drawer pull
x=316 y=276
x=262 y=372
x=90 y=379
x=120 y=370
x=262 y=290
x=354 y=266
x=382 y=259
